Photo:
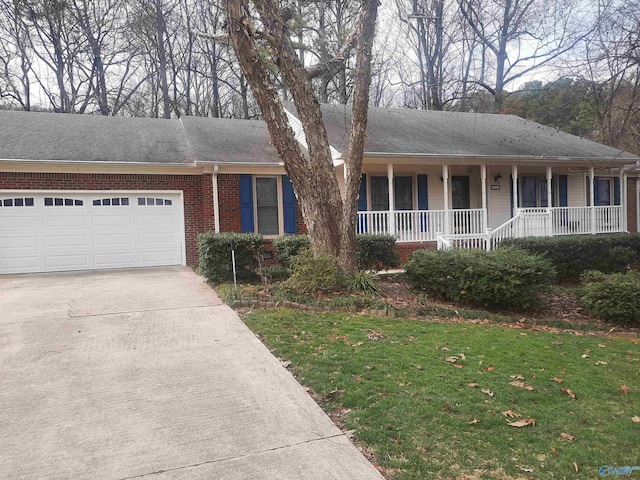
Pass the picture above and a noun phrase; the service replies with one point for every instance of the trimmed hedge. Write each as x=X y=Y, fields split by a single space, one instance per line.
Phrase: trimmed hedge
x=373 y=252
x=572 y=255
x=615 y=298
x=311 y=273
x=215 y=255
x=288 y=246
x=376 y=252
x=503 y=278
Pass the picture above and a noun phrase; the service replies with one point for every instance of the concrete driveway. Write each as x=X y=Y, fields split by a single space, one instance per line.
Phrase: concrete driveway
x=146 y=374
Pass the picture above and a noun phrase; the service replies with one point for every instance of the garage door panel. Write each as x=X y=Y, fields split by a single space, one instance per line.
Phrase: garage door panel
x=72 y=232
x=67 y=261
x=110 y=240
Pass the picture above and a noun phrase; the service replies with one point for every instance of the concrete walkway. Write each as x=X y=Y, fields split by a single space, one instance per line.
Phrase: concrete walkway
x=146 y=374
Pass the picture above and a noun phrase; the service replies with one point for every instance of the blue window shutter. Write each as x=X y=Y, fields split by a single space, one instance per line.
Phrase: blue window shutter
x=563 y=182
x=616 y=191
x=246 y=203
x=423 y=201
x=362 y=194
x=289 y=200
x=423 y=193
x=596 y=191
x=511 y=193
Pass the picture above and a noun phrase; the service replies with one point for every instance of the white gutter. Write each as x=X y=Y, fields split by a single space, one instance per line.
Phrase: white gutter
x=216 y=204
x=497 y=158
x=96 y=162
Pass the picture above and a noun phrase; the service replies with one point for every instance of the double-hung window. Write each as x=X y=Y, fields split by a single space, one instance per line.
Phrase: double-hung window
x=267 y=205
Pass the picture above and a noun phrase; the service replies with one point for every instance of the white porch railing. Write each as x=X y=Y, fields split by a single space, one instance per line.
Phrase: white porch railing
x=466 y=229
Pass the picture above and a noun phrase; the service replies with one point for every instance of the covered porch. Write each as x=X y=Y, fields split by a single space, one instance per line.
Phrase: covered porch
x=478 y=206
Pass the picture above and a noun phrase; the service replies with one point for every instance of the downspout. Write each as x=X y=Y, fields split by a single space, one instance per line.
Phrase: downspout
x=216 y=203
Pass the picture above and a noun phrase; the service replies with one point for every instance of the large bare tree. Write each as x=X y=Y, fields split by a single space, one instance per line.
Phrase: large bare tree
x=264 y=41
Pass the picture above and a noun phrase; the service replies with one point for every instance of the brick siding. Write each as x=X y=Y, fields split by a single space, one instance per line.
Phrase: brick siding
x=197 y=193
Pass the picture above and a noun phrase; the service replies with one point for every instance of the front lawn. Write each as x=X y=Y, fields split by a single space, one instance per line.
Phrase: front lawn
x=432 y=400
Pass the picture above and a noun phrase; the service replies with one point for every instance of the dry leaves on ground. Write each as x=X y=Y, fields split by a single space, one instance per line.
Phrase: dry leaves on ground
x=568 y=392
x=525 y=422
x=451 y=359
x=635 y=419
x=557 y=380
x=510 y=414
x=517 y=377
x=566 y=436
x=473 y=385
x=624 y=389
x=487 y=391
x=521 y=385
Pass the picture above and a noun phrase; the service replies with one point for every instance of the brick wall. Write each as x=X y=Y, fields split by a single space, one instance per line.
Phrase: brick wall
x=197 y=193
x=406 y=249
x=229 y=202
x=632 y=205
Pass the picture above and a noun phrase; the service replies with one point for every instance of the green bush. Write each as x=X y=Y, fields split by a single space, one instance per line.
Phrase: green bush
x=507 y=277
x=215 y=255
x=364 y=282
x=288 y=246
x=312 y=273
x=572 y=255
x=615 y=297
x=277 y=272
x=375 y=252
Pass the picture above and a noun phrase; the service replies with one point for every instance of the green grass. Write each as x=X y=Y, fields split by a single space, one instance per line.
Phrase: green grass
x=416 y=413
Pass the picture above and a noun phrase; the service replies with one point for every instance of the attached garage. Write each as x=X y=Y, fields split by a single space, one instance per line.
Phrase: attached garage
x=52 y=231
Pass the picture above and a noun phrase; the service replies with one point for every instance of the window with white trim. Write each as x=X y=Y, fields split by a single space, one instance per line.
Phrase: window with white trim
x=267 y=205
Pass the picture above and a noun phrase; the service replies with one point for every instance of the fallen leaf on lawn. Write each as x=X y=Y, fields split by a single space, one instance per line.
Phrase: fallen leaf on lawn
x=557 y=380
x=463 y=356
x=457 y=365
x=463 y=292
x=397 y=441
x=521 y=385
x=600 y=362
x=575 y=465
x=568 y=392
x=474 y=421
x=490 y=368
x=525 y=422
x=554 y=451
x=375 y=336
x=635 y=419
x=473 y=385
x=451 y=359
x=509 y=413
x=446 y=349
x=624 y=389
x=566 y=436
x=487 y=391
x=601 y=345
x=528 y=470
x=517 y=377
x=585 y=356
x=285 y=363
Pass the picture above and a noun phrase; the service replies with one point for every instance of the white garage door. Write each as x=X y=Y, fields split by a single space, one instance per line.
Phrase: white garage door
x=62 y=231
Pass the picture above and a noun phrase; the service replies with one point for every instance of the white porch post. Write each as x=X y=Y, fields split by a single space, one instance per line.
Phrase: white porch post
x=514 y=175
x=549 y=203
x=392 y=218
x=592 y=197
x=485 y=213
x=216 y=201
x=623 y=199
x=445 y=183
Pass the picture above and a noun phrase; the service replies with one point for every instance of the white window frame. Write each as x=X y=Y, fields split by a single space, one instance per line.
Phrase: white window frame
x=414 y=189
x=280 y=205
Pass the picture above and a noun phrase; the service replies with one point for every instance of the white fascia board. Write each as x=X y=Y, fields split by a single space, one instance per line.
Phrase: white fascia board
x=298 y=132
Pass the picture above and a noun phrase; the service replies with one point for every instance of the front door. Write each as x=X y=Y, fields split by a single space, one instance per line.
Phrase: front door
x=460 y=192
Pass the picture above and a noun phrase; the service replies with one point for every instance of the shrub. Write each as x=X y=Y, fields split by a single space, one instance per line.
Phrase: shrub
x=375 y=252
x=615 y=297
x=277 y=272
x=572 y=255
x=365 y=282
x=506 y=277
x=215 y=255
x=288 y=246
x=312 y=273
